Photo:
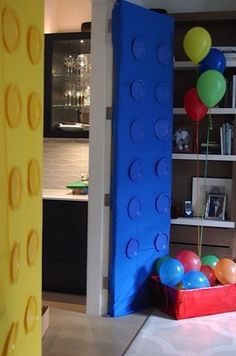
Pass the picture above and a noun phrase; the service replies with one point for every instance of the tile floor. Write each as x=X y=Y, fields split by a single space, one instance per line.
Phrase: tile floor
x=200 y=336
x=73 y=333
x=76 y=334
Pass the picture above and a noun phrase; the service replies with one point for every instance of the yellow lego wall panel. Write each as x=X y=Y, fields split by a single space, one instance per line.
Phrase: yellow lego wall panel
x=21 y=109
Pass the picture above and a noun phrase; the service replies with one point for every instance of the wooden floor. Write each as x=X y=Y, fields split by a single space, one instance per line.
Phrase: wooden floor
x=65 y=301
x=73 y=333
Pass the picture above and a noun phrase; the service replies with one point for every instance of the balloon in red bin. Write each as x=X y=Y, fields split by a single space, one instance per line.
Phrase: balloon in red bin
x=171 y=272
x=209 y=273
x=210 y=260
x=189 y=260
x=160 y=261
x=194 y=106
x=195 y=279
x=225 y=271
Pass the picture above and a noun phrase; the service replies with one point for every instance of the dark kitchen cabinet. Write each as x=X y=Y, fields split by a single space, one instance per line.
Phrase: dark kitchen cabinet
x=65 y=246
x=67 y=84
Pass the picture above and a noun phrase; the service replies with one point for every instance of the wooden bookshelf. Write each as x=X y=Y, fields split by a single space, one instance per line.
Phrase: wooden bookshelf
x=218 y=237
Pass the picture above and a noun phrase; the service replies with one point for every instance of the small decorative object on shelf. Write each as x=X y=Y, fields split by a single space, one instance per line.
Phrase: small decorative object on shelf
x=183 y=139
x=202 y=188
x=211 y=147
x=188 y=210
x=215 y=207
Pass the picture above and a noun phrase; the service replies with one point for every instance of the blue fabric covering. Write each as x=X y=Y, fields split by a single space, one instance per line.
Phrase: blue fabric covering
x=141 y=159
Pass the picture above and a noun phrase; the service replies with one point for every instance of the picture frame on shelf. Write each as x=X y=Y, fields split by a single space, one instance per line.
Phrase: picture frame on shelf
x=215 y=207
x=183 y=139
x=203 y=187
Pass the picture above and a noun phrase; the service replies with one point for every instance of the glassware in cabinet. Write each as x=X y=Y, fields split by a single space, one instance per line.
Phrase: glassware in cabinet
x=67 y=84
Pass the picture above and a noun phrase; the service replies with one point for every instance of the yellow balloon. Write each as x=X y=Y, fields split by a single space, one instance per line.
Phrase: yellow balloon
x=197 y=44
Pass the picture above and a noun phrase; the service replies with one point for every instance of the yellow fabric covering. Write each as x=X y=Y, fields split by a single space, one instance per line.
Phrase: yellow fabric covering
x=21 y=122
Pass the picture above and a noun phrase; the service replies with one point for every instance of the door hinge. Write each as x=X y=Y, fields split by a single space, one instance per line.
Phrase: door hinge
x=109 y=24
x=108 y=113
x=106 y=199
x=105 y=282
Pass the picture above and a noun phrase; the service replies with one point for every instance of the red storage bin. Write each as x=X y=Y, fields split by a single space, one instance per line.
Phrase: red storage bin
x=189 y=303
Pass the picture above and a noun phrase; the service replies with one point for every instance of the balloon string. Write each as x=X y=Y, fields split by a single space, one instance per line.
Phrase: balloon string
x=209 y=128
x=197 y=174
x=197 y=170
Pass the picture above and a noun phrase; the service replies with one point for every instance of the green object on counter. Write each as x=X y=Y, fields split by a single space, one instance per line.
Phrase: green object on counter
x=78 y=184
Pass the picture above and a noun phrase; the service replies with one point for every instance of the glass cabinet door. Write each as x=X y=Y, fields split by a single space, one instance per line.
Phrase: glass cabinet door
x=67 y=84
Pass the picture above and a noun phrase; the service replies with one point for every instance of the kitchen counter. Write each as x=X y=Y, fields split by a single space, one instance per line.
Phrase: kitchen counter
x=63 y=194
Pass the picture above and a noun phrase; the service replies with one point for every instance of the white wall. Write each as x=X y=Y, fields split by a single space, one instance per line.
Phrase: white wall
x=65 y=160
x=99 y=158
x=173 y=6
x=66 y=15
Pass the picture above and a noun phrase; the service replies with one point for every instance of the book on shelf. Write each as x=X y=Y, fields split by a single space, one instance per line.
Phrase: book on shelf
x=229 y=53
x=212 y=147
x=226 y=49
x=229 y=98
x=226 y=137
x=234 y=91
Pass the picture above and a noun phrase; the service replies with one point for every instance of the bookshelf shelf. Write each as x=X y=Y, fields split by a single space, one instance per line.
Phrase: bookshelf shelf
x=185 y=65
x=203 y=157
x=213 y=111
x=203 y=222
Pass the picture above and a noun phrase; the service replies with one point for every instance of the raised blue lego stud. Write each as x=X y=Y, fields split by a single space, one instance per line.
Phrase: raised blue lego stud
x=137 y=131
x=163 y=53
x=132 y=248
x=137 y=90
x=162 y=93
x=162 y=129
x=163 y=204
x=134 y=208
x=136 y=170
x=162 y=168
x=161 y=242
x=138 y=48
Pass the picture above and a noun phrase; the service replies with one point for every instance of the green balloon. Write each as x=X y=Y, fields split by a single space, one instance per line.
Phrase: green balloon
x=209 y=260
x=160 y=261
x=211 y=87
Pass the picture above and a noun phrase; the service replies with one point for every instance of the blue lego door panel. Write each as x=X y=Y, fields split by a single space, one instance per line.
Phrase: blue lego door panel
x=141 y=152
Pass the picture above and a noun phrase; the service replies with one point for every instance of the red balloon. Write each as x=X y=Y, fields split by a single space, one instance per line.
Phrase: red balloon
x=189 y=260
x=194 y=106
x=209 y=273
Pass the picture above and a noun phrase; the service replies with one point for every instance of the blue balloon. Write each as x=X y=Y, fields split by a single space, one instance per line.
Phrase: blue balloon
x=171 y=272
x=195 y=279
x=214 y=60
